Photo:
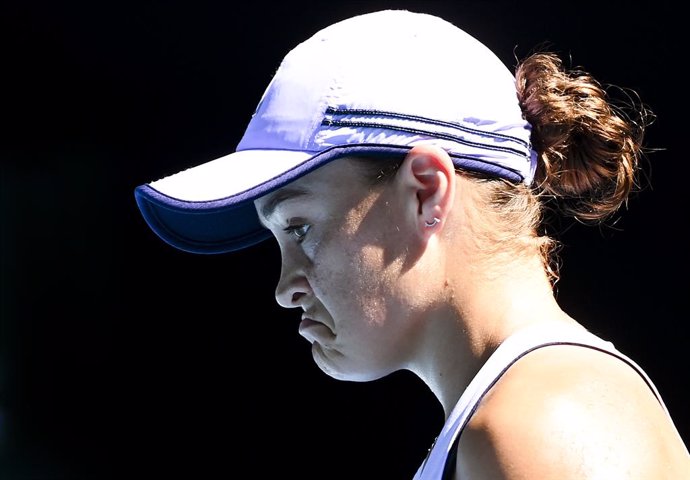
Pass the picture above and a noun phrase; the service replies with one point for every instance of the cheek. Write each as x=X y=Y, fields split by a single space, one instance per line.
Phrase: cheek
x=353 y=284
x=372 y=286
x=351 y=270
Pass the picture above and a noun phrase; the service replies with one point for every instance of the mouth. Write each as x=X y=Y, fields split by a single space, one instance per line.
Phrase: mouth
x=315 y=331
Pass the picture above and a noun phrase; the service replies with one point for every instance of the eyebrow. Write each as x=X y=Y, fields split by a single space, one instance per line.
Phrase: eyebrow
x=285 y=193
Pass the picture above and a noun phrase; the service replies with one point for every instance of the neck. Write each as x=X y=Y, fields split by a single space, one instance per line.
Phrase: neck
x=480 y=315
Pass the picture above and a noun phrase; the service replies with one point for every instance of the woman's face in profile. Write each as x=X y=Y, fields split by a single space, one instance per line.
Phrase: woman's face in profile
x=335 y=232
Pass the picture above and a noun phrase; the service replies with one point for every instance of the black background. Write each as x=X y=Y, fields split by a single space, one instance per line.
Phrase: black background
x=122 y=357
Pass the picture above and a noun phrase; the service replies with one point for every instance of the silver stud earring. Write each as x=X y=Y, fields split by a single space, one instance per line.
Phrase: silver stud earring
x=432 y=223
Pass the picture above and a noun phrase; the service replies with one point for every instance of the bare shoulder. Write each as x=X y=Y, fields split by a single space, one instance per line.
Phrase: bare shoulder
x=569 y=412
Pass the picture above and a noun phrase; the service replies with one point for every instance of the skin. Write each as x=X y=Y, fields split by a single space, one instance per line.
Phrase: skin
x=381 y=292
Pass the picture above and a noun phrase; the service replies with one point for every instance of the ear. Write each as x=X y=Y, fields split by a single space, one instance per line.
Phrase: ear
x=428 y=175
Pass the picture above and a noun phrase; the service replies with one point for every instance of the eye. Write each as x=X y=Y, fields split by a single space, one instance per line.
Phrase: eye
x=298 y=231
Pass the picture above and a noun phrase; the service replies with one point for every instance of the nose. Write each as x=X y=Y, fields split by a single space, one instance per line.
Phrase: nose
x=293 y=285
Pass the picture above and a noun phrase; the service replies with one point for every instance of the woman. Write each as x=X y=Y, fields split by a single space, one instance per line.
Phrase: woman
x=408 y=177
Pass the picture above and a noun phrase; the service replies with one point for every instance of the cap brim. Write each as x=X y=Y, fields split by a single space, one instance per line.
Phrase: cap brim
x=209 y=227
x=209 y=208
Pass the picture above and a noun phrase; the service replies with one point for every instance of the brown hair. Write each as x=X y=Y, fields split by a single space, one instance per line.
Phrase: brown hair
x=589 y=149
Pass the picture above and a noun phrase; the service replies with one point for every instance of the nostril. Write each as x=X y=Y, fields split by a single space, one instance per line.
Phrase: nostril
x=292 y=290
x=290 y=299
x=296 y=297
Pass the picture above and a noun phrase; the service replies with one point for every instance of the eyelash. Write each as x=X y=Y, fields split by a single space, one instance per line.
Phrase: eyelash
x=297 y=231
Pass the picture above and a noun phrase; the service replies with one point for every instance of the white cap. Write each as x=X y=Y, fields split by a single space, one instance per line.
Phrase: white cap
x=378 y=83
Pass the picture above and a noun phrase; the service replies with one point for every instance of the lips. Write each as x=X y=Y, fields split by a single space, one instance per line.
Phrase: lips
x=307 y=323
x=315 y=331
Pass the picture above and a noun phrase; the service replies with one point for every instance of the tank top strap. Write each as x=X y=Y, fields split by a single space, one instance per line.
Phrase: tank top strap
x=516 y=346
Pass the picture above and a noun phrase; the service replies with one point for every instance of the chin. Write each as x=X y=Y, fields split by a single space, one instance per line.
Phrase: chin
x=333 y=364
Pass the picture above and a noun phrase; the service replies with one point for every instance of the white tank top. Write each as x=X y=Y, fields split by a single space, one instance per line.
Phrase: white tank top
x=512 y=349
